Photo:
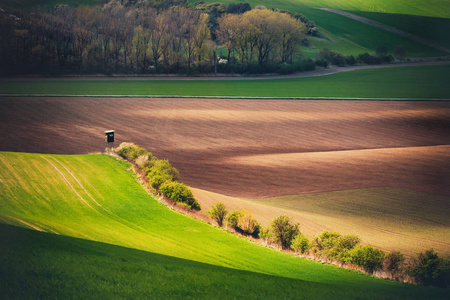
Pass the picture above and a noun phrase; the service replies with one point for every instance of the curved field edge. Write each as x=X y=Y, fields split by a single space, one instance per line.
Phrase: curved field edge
x=427 y=82
x=97 y=197
x=387 y=218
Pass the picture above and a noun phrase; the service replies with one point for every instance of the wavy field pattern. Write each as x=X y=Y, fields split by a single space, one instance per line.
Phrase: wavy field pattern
x=96 y=197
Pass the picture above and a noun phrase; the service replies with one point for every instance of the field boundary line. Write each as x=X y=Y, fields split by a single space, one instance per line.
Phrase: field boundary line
x=318 y=72
x=224 y=97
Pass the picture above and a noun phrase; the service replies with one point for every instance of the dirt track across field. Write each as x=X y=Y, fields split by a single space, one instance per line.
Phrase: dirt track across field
x=251 y=148
x=419 y=62
x=388 y=28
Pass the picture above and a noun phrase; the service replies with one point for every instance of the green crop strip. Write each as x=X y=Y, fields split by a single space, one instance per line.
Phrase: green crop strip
x=428 y=82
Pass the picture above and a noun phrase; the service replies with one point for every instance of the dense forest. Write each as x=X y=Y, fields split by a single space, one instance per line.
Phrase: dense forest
x=151 y=36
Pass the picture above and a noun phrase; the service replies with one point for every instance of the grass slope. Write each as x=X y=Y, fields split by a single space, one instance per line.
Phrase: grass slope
x=430 y=28
x=50 y=266
x=348 y=36
x=96 y=197
x=352 y=37
x=432 y=8
x=428 y=82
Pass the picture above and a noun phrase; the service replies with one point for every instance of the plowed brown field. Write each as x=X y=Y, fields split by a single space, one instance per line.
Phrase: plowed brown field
x=251 y=148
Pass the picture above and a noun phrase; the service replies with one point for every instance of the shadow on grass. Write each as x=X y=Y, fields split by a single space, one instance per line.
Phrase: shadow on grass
x=42 y=265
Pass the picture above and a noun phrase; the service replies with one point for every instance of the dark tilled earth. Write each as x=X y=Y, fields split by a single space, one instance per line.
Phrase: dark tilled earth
x=251 y=148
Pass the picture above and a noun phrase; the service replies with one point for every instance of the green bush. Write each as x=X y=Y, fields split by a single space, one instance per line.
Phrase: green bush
x=368 y=257
x=124 y=148
x=218 y=213
x=233 y=219
x=429 y=269
x=156 y=180
x=265 y=234
x=130 y=151
x=331 y=244
x=393 y=263
x=321 y=63
x=145 y=162
x=162 y=166
x=301 y=244
x=179 y=192
x=244 y=223
x=284 y=231
x=160 y=174
x=248 y=225
x=368 y=59
x=331 y=56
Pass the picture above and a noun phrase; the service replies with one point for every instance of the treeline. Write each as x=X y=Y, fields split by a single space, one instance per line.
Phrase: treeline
x=149 y=37
x=327 y=56
x=160 y=174
x=427 y=268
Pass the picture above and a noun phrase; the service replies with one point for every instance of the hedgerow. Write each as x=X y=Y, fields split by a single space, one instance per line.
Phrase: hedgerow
x=427 y=268
x=430 y=269
x=301 y=244
x=179 y=192
x=330 y=244
x=369 y=258
x=281 y=232
x=160 y=174
x=130 y=151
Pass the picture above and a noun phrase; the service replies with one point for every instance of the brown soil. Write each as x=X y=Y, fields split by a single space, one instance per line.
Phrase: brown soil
x=251 y=148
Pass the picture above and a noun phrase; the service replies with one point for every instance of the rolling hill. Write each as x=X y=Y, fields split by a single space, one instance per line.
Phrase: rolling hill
x=391 y=219
x=83 y=198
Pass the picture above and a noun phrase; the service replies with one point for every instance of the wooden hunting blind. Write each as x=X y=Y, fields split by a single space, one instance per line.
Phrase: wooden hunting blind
x=109 y=139
x=109 y=135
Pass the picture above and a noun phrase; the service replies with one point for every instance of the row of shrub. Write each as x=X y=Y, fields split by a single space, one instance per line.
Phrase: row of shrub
x=241 y=221
x=327 y=56
x=160 y=174
x=427 y=268
x=267 y=67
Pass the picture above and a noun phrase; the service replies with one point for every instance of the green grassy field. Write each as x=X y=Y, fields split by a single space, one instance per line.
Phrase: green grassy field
x=403 y=82
x=97 y=198
x=359 y=37
x=31 y=4
x=352 y=37
x=430 y=28
x=433 y=8
x=50 y=266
